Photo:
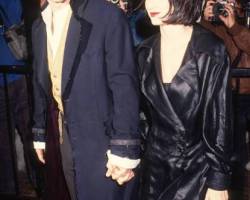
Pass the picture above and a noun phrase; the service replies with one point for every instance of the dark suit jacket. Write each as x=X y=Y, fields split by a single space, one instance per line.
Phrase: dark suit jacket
x=99 y=93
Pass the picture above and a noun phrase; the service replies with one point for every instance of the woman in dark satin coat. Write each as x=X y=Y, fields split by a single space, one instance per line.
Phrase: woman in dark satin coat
x=184 y=74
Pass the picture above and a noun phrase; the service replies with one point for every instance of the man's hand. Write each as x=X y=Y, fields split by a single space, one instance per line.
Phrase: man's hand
x=40 y=155
x=216 y=195
x=229 y=20
x=121 y=175
x=208 y=10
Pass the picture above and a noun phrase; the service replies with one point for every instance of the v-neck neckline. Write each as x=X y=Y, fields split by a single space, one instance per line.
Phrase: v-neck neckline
x=157 y=57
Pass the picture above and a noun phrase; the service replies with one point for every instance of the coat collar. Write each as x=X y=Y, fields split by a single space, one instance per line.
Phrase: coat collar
x=76 y=5
x=152 y=45
x=151 y=77
x=153 y=87
x=76 y=43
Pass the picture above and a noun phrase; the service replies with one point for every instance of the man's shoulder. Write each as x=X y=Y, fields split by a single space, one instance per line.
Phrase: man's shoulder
x=103 y=10
x=107 y=5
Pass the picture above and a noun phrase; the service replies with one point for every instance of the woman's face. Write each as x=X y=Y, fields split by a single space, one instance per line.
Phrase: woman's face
x=157 y=11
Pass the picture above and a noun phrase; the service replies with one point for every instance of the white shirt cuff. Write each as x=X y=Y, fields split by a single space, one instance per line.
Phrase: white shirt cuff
x=122 y=162
x=39 y=145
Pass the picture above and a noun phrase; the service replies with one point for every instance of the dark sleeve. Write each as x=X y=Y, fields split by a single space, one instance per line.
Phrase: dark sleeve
x=241 y=37
x=217 y=133
x=39 y=106
x=123 y=83
x=11 y=11
x=39 y=112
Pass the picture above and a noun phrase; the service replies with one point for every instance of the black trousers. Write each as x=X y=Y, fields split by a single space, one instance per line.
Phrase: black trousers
x=68 y=163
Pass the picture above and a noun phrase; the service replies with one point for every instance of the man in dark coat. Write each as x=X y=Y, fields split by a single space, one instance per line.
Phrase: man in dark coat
x=84 y=65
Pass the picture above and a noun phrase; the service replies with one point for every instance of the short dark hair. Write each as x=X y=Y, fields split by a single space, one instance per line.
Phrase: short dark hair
x=185 y=12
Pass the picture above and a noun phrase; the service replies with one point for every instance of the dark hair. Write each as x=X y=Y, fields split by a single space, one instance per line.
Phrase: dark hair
x=185 y=12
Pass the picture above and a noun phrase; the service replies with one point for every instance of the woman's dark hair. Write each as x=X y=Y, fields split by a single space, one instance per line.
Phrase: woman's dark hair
x=185 y=12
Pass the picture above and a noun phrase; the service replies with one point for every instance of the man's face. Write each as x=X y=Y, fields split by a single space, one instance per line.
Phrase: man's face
x=157 y=11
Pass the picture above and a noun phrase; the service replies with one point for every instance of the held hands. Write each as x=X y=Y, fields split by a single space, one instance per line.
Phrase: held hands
x=40 y=155
x=216 y=195
x=229 y=20
x=119 y=174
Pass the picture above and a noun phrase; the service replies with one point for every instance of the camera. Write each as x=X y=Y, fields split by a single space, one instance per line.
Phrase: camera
x=219 y=9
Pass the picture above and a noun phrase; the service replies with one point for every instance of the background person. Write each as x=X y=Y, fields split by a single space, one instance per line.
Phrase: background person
x=10 y=14
x=236 y=37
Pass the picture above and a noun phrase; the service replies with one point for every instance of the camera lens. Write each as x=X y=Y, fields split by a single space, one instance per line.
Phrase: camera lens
x=219 y=9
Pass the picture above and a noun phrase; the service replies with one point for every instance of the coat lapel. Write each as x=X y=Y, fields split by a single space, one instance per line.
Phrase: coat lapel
x=76 y=43
x=154 y=90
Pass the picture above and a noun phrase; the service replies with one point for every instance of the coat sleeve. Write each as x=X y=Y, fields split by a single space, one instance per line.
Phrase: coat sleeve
x=241 y=37
x=39 y=105
x=123 y=84
x=218 y=30
x=217 y=129
x=11 y=12
x=39 y=112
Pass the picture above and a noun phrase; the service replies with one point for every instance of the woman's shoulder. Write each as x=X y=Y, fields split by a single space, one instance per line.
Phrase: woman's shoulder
x=205 y=41
x=207 y=47
x=144 y=51
x=149 y=42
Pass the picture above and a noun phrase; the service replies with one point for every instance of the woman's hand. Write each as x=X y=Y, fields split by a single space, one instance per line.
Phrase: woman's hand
x=216 y=194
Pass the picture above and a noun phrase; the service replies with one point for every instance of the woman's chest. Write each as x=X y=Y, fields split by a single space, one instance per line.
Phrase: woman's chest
x=181 y=96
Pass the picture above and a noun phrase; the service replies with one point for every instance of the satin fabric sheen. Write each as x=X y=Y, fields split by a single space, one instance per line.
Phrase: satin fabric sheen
x=189 y=140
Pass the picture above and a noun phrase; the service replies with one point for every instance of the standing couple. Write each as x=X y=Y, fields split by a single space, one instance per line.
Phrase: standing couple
x=86 y=90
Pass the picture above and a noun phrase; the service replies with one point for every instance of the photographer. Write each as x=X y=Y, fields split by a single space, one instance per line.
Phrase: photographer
x=231 y=30
x=228 y=24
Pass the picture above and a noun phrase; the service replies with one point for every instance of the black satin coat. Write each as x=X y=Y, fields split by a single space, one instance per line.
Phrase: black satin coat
x=189 y=143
